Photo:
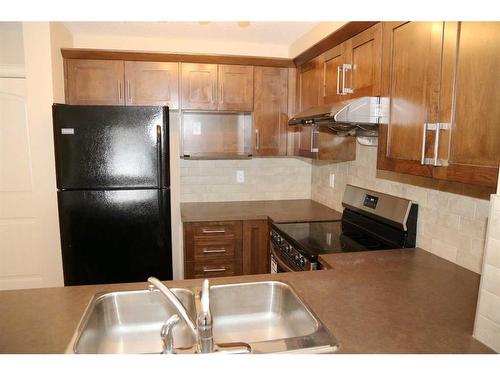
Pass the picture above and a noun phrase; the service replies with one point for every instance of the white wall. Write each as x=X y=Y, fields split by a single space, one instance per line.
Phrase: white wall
x=313 y=36
x=131 y=43
x=29 y=236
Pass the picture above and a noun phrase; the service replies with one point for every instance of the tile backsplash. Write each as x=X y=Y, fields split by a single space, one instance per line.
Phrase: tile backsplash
x=487 y=326
x=449 y=225
x=264 y=179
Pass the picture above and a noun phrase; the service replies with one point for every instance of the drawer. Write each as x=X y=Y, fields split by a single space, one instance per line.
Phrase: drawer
x=219 y=247
x=216 y=228
x=213 y=268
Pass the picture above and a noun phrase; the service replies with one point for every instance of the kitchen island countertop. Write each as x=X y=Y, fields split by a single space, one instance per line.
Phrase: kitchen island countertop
x=392 y=301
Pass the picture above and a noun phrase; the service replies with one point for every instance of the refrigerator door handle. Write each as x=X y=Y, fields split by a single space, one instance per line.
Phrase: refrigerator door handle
x=159 y=154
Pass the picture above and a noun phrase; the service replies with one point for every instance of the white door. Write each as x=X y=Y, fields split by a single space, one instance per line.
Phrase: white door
x=19 y=256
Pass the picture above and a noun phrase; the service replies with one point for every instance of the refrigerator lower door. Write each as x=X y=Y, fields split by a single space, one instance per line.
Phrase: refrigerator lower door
x=115 y=236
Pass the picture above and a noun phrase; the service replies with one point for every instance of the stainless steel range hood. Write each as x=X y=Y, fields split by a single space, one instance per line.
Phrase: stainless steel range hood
x=359 y=116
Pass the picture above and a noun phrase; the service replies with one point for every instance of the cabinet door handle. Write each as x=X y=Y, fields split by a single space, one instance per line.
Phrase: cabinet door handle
x=214 y=99
x=209 y=231
x=221 y=269
x=339 y=69
x=434 y=161
x=119 y=85
x=257 y=139
x=214 y=251
x=314 y=132
x=129 y=94
x=424 y=141
x=345 y=68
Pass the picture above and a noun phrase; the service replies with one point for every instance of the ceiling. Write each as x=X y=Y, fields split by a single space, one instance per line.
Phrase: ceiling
x=273 y=33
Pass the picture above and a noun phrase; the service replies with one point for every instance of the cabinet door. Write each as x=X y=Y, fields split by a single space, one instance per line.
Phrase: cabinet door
x=255 y=247
x=411 y=66
x=270 y=111
x=152 y=83
x=94 y=82
x=364 y=55
x=308 y=87
x=331 y=74
x=471 y=58
x=199 y=86
x=235 y=88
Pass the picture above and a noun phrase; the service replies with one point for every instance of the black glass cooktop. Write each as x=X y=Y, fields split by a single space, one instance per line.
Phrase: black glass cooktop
x=318 y=238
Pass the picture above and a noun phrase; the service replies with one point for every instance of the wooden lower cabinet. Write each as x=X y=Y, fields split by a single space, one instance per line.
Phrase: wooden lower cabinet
x=225 y=248
x=255 y=247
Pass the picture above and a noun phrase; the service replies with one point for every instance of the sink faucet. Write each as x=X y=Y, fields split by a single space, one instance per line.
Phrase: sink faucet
x=202 y=331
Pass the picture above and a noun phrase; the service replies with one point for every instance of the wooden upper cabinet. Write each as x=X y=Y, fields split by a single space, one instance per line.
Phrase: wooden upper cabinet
x=331 y=74
x=199 y=86
x=235 y=88
x=352 y=69
x=469 y=150
x=270 y=111
x=411 y=67
x=94 y=82
x=308 y=83
x=363 y=53
x=152 y=83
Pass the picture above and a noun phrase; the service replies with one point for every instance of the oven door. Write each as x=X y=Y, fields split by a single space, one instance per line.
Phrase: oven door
x=279 y=265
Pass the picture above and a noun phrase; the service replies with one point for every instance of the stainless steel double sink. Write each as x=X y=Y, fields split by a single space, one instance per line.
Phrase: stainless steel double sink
x=269 y=316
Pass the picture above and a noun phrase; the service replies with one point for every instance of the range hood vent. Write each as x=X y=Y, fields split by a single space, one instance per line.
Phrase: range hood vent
x=357 y=117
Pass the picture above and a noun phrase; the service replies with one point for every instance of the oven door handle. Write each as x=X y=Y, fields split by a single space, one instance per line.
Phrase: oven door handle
x=281 y=264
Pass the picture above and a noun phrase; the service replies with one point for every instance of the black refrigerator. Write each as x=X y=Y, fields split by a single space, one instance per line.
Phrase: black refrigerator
x=113 y=184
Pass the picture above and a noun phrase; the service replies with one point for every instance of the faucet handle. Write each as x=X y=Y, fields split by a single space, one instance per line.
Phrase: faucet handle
x=205 y=297
x=167 y=336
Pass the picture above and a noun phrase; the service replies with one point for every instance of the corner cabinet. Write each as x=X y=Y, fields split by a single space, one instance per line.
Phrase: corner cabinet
x=440 y=79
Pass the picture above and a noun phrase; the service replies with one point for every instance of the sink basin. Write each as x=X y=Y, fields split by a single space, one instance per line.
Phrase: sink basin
x=268 y=316
x=130 y=322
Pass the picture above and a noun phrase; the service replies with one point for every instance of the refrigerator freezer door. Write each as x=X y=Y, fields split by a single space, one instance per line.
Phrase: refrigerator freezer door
x=115 y=236
x=110 y=147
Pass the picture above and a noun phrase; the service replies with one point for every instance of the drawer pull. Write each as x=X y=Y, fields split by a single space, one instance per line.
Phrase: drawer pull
x=213 y=251
x=221 y=269
x=210 y=231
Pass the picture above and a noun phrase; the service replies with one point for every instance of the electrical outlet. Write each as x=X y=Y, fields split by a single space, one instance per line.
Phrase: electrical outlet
x=332 y=180
x=240 y=176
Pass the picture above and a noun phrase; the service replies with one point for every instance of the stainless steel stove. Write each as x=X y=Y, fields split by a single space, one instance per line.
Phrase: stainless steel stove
x=371 y=221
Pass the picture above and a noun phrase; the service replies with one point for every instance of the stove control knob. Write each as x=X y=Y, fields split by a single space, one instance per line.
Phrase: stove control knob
x=302 y=261
x=297 y=258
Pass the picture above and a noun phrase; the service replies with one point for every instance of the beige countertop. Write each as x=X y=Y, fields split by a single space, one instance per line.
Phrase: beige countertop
x=280 y=211
x=393 y=301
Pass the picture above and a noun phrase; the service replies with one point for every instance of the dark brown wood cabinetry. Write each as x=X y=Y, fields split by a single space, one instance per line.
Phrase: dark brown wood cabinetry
x=470 y=93
x=199 y=86
x=410 y=79
x=312 y=142
x=255 y=247
x=235 y=88
x=97 y=82
x=152 y=83
x=270 y=111
x=441 y=80
x=225 y=248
